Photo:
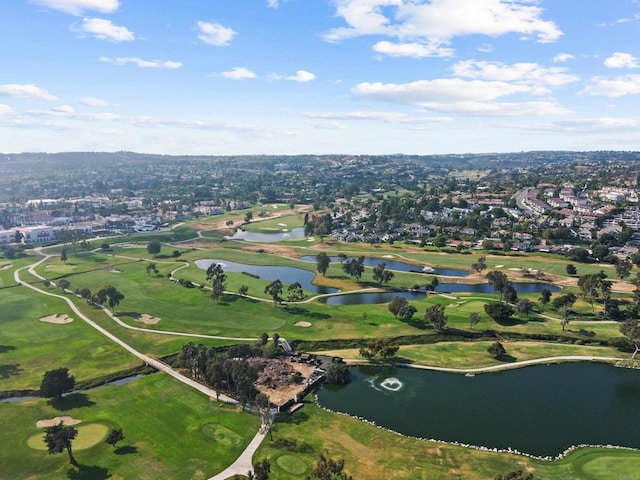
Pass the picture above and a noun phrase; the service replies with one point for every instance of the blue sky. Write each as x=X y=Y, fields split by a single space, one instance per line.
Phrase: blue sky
x=319 y=76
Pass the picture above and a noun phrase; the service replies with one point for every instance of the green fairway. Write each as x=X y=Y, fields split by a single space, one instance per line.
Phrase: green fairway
x=167 y=429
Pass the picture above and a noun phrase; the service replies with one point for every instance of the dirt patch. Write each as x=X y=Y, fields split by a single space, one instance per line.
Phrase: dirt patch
x=66 y=420
x=147 y=319
x=302 y=323
x=6 y=266
x=60 y=318
x=281 y=380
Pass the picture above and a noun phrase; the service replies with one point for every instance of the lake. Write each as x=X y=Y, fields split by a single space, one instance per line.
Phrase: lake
x=540 y=410
x=369 y=298
x=394 y=265
x=287 y=275
x=266 y=237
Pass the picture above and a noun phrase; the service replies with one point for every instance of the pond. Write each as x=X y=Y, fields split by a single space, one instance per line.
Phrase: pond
x=540 y=410
x=394 y=265
x=287 y=275
x=384 y=297
x=266 y=237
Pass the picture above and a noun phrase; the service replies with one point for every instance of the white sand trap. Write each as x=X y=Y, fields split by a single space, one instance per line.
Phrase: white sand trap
x=311 y=239
x=285 y=229
x=387 y=256
x=147 y=319
x=113 y=270
x=515 y=269
x=6 y=266
x=59 y=318
x=302 y=324
x=282 y=224
x=499 y=266
x=56 y=420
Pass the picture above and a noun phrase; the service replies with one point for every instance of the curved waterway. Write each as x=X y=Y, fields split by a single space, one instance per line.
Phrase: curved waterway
x=286 y=275
x=394 y=265
x=540 y=410
x=368 y=298
x=266 y=237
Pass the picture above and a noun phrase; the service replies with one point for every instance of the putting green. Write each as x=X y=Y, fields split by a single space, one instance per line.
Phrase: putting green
x=222 y=435
x=602 y=467
x=88 y=436
x=293 y=464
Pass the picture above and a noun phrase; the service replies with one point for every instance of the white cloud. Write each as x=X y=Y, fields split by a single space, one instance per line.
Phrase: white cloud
x=76 y=7
x=215 y=34
x=64 y=109
x=614 y=87
x=105 y=30
x=272 y=3
x=412 y=49
x=622 y=60
x=599 y=123
x=460 y=96
x=435 y=23
x=94 y=102
x=301 y=76
x=388 y=117
x=29 y=91
x=6 y=110
x=238 y=73
x=142 y=63
x=525 y=73
x=563 y=57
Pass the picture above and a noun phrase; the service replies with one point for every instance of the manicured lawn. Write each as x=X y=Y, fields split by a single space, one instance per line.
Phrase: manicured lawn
x=475 y=355
x=371 y=453
x=171 y=431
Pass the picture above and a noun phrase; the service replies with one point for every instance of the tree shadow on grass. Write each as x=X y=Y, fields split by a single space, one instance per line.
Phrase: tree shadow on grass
x=507 y=358
x=6 y=348
x=295 y=418
x=10 y=370
x=306 y=313
x=88 y=472
x=126 y=450
x=510 y=322
x=71 y=401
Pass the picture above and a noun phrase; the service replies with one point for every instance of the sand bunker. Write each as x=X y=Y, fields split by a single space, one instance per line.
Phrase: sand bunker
x=6 y=266
x=282 y=224
x=59 y=318
x=302 y=324
x=56 y=420
x=147 y=319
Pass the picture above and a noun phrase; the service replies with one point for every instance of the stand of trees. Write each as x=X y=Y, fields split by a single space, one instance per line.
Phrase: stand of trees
x=56 y=382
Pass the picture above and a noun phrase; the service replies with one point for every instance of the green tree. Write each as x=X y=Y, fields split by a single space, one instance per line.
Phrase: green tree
x=474 y=319
x=154 y=247
x=500 y=312
x=631 y=331
x=498 y=281
x=323 y=261
x=243 y=290
x=623 y=268
x=396 y=305
x=264 y=338
x=545 y=297
x=563 y=305
x=261 y=470
x=59 y=438
x=274 y=290
x=381 y=274
x=63 y=284
x=63 y=255
x=354 y=268
x=571 y=269
x=524 y=307
x=497 y=350
x=435 y=315
x=248 y=217
x=337 y=373
x=329 y=469
x=56 y=382
x=407 y=312
x=515 y=475
x=115 y=435
x=295 y=293
x=110 y=295
x=217 y=277
x=480 y=265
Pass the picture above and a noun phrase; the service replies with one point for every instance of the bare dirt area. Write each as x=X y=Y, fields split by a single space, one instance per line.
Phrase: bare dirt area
x=66 y=420
x=281 y=380
x=6 y=266
x=147 y=319
x=59 y=318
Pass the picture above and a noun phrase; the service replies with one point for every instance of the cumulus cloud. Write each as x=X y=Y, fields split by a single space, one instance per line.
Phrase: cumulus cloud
x=412 y=49
x=93 y=102
x=105 y=30
x=613 y=87
x=29 y=91
x=238 y=73
x=301 y=76
x=599 y=123
x=457 y=95
x=622 y=60
x=215 y=34
x=142 y=63
x=6 y=110
x=272 y=3
x=387 y=117
x=434 y=23
x=563 y=57
x=77 y=7
x=526 y=73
